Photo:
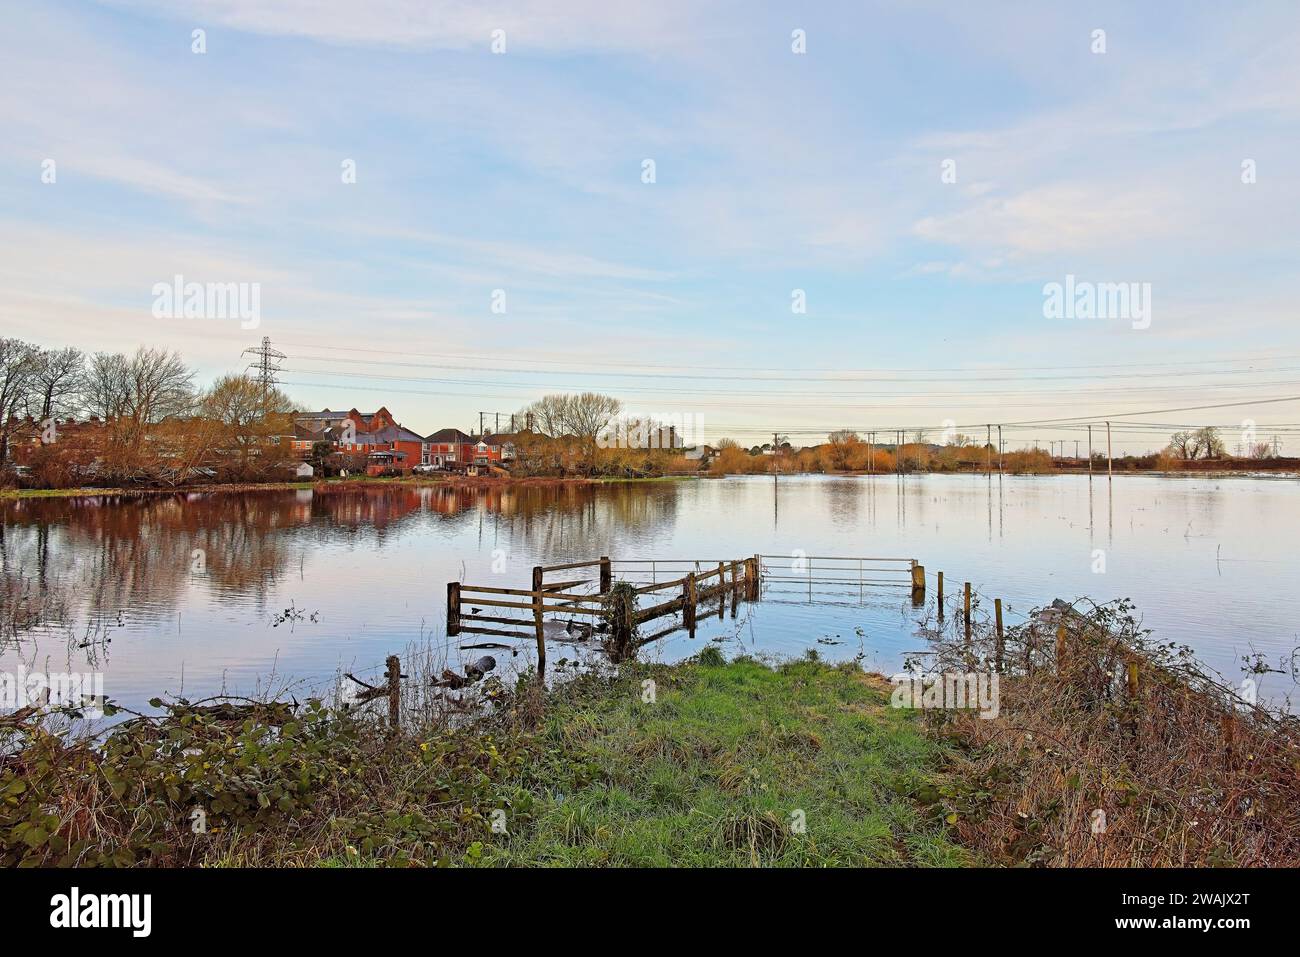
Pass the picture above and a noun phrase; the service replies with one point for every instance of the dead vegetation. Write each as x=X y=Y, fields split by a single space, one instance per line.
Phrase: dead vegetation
x=1112 y=750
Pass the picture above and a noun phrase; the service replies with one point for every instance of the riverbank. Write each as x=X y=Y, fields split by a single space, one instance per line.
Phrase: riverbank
x=703 y=763
x=344 y=484
x=1094 y=749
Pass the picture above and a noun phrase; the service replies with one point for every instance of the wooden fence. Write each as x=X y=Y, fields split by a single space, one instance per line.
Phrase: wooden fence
x=734 y=580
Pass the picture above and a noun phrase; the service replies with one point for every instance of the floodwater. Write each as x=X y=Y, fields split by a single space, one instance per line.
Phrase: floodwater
x=200 y=593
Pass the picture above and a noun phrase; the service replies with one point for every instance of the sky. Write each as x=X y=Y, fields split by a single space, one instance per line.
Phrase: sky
x=444 y=207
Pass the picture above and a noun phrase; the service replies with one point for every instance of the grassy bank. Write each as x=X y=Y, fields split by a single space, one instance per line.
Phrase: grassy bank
x=729 y=765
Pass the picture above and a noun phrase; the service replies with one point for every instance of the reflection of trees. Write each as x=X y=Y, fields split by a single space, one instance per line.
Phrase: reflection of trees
x=72 y=562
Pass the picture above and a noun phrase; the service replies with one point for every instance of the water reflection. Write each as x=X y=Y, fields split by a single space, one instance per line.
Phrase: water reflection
x=191 y=588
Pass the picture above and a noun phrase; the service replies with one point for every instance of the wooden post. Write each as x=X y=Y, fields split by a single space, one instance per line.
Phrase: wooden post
x=940 y=594
x=1229 y=724
x=918 y=584
x=966 y=613
x=606 y=574
x=722 y=588
x=453 y=608
x=997 y=616
x=1132 y=678
x=394 y=694
x=1060 y=648
x=537 y=623
x=688 y=613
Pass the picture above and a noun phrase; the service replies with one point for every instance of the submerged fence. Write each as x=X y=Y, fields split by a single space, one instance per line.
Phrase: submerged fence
x=672 y=586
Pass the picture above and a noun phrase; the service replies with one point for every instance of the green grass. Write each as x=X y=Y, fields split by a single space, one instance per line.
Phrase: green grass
x=719 y=769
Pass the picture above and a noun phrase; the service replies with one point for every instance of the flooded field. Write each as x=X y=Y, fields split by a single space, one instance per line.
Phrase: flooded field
x=199 y=593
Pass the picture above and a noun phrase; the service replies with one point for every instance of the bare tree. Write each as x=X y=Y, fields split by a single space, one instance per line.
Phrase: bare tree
x=104 y=389
x=58 y=381
x=587 y=416
x=1183 y=445
x=1207 y=444
x=17 y=368
x=244 y=427
x=132 y=395
x=548 y=415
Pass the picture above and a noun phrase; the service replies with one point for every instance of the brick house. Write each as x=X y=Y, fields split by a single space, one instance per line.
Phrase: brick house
x=449 y=447
x=494 y=449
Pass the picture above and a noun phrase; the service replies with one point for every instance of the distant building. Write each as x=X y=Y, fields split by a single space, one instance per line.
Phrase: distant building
x=449 y=447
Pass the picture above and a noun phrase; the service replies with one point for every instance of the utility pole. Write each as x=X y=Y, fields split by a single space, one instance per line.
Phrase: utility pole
x=988 y=449
x=1090 y=450
x=1110 y=459
x=871 y=439
x=266 y=367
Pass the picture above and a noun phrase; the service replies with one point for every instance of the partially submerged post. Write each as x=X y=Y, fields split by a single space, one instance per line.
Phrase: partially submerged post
x=940 y=594
x=691 y=596
x=722 y=589
x=537 y=622
x=606 y=574
x=453 y=609
x=918 y=584
x=966 y=611
x=997 y=617
x=394 y=675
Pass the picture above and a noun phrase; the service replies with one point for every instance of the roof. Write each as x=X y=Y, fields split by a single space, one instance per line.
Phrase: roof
x=449 y=435
x=499 y=438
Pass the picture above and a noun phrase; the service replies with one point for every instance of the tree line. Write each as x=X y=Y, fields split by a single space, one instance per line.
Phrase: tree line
x=111 y=417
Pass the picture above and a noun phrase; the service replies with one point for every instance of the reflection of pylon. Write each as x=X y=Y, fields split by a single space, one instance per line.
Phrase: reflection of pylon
x=265 y=366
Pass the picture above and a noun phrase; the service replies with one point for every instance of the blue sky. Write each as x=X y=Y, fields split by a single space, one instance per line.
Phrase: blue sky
x=774 y=172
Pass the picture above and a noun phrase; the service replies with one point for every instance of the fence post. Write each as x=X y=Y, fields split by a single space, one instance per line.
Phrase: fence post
x=966 y=612
x=1060 y=649
x=394 y=693
x=735 y=587
x=606 y=575
x=688 y=613
x=453 y=608
x=722 y=588
x=537 y=623
x=918 y=584
x=997 y=613
x=940 y=594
